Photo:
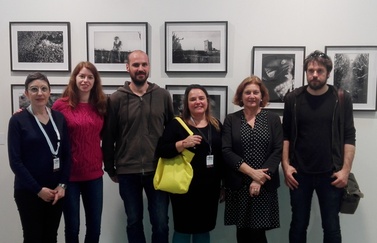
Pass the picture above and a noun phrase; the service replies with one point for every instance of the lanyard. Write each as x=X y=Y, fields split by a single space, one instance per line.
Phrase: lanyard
x=54 y=152
x=209 y=140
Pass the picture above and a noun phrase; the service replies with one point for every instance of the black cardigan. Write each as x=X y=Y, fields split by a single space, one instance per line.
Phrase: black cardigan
x=233 y=150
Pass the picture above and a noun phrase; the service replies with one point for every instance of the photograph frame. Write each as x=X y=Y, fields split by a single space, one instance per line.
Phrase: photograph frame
x=40 y=46
x=360 y=63
x=211 y=56
x=113 y=59
x=281 y=70
x=20 y=101
x=219 y=91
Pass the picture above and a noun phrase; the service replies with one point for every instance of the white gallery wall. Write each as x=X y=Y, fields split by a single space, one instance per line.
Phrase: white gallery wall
x=314 y=24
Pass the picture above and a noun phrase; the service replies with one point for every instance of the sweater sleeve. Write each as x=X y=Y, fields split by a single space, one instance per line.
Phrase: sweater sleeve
x=15 y=153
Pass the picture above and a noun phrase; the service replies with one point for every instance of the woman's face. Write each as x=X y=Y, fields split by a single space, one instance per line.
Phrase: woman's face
x=197 y=102
x=85 y=80
x=38 y=93
x=251 y=96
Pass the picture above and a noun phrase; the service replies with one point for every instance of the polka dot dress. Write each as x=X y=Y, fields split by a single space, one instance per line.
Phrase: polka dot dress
x=242 y=210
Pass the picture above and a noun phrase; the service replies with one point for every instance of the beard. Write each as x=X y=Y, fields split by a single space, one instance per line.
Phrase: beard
x=317 y=85
x=139 y=81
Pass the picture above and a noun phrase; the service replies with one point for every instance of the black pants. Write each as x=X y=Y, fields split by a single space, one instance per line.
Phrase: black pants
x=40 y=220
x=247 y=235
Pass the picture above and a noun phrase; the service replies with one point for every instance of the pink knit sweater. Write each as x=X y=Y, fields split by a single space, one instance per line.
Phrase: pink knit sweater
x=84 y=126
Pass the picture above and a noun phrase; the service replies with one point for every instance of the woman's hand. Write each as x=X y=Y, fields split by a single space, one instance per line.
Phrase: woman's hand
x=254 y=188
x=47 y=194
x=191 y=141
x=260 y=176
x=60 y=193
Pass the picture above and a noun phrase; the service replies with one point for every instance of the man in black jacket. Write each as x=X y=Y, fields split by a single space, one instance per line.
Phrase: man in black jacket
x=317 y=153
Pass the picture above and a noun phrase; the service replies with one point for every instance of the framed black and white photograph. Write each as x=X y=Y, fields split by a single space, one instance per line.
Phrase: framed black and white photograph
x=19 y=99
x=108 y=44
x=355 y=70
x=218 y=99
x=196 y=46
x=40 y=46
x=281 y=70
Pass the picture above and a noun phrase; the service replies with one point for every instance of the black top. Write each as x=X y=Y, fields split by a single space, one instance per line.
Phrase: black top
x=314 y=133
x=195 y=211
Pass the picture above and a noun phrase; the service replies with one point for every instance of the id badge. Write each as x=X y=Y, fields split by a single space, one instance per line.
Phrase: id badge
x=209 y=160
x=56 y=162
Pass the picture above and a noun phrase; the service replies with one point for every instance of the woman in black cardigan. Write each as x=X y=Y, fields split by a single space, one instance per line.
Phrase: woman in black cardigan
x=252 y=146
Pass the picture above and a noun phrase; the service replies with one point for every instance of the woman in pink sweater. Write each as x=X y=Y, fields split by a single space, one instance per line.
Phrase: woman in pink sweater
x=83 y=105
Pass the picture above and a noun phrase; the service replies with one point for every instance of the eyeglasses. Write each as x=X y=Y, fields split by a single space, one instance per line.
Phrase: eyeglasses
x=318 y=54
x=35 y=89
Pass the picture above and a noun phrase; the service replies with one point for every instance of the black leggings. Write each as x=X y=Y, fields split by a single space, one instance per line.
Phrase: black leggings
x=247 y=235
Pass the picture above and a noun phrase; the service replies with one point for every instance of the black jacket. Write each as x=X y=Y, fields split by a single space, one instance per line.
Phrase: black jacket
x=292 y=105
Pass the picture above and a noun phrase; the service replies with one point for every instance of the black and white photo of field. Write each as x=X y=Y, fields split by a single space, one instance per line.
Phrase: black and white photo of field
x=40 y=46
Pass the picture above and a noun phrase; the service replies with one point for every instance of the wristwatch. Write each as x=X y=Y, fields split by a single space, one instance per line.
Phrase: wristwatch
x=64 y=186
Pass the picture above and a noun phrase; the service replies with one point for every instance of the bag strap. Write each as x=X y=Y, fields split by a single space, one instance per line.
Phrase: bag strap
x=341 y=111
x=184 y=125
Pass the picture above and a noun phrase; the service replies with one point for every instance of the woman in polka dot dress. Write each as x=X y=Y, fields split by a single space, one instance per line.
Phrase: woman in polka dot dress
x=252 y=143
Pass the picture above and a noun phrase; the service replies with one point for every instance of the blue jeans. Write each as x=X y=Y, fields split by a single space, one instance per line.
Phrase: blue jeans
x=92 y=198
x=131 y=191
x=329 y=198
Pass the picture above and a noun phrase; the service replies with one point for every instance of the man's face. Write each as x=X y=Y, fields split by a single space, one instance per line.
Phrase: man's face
x=316 y=75
x=138 y=67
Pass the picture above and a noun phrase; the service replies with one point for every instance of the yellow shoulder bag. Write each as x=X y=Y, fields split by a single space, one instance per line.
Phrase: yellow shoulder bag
x=174 y=175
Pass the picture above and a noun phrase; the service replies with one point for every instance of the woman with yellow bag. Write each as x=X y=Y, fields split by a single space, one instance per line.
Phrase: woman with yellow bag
x=195 y=212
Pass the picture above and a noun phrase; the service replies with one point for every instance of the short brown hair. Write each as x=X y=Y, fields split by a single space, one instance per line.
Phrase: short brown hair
x=237 y=99
x=36 y=76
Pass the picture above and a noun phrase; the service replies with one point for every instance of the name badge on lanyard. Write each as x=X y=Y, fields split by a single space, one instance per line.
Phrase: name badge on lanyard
x=56 y=163
x=55 y=160
x=209 y=160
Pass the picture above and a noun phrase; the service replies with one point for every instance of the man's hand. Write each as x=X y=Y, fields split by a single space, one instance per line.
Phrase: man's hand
x=341 y=179
x=114 y=179
x=290 y=181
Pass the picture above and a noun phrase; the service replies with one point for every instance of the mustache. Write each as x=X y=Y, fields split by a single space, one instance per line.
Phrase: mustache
x=141 y=72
